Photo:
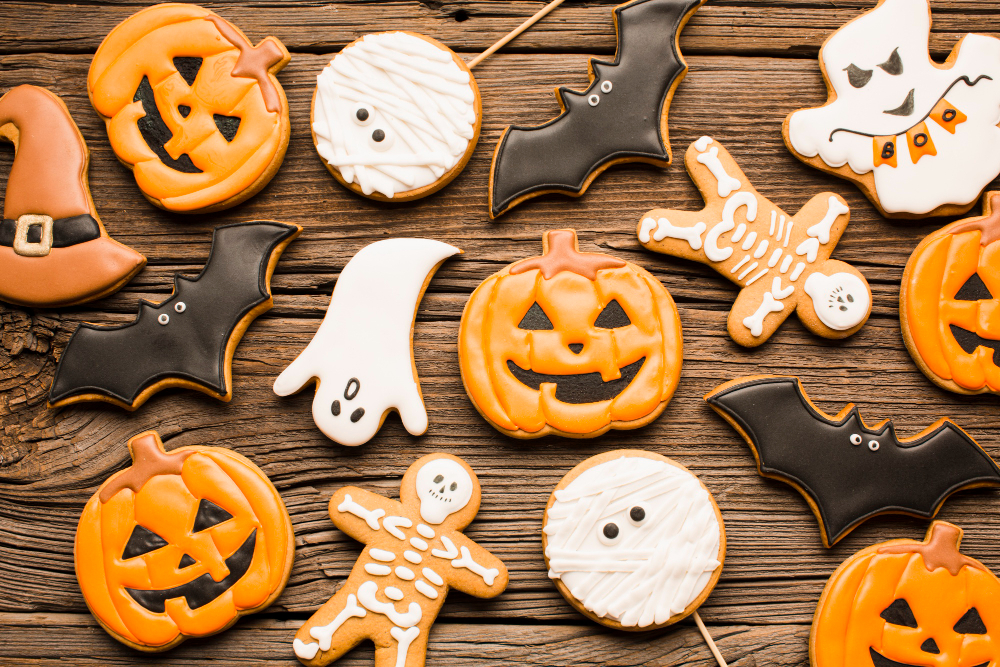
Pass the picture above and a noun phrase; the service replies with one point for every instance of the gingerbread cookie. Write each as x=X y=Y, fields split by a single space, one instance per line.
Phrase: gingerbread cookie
x=191 y=106
x=906 y=603
x=848 y=471
x=570 y=343
x=362 y=355
x=947 y=303
x=621 y=117
x=54 y=251
x=781 y=262
x=186 y=341
x=919 y=138
x=181 y=544
x=396 y=116
x=414 y=553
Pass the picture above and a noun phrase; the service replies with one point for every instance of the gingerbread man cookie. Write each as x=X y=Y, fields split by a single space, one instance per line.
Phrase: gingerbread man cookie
x=414 y=553
x=781 y=262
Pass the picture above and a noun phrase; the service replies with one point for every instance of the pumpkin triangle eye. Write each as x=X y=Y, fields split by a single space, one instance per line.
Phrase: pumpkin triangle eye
x=186 y=561
x=536 y=320
x=209 y=514
x=974 y=289
x=188 y=68
x=612 y=317
x=971 y=624
x=899 y=613
x=142 y=541
x=228 y=126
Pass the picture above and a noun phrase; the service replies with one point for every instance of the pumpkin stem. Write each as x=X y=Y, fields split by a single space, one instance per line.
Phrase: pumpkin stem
x=561 y=252
x=939 y=549
x=149 y=459
x=989 y=225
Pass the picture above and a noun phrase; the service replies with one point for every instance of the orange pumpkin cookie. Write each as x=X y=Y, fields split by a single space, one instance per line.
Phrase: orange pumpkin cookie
x=181 y=544
x=191 y=106
x=906 y=603
x=948 y=306
x=570 y=343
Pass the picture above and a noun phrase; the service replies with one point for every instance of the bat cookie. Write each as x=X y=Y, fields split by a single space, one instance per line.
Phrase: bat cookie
x=181 y=544
x=362 y=355
x=186 y=341
x=621 y=117
x=847 y=471
x=54 y=251
x=569 y=343
x=414 y=553
x=191 y=106
x=919 y=138
x=781 y=262
x=947 y=308
x=633 y=540
x=905 y=603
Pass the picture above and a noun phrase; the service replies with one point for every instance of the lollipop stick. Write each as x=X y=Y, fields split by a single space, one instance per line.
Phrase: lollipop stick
x=708 y=640
x=514 y=33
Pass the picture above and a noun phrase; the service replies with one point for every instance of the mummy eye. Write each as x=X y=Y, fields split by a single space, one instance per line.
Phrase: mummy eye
x=858 y=77
x=637 y=515
x=609 y=533
x=380 y=140
x=362 y=115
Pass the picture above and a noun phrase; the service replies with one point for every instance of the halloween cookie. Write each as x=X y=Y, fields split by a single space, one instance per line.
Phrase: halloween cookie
x=848 y=471
x=54 y=251
x=191 y=106
x=906 y=603
x=919 y=138
x=781 y=262
x=621 y=117
x=396 y=116
x=361 y=358
x=414 y=553
x=186 y=341
x=181 y=544
x=633 y=540
x=569 y=343
x=947 y=308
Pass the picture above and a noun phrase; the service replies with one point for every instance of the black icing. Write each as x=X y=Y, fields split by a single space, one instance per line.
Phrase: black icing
x=906 y=108
x=352 y=389
x=612 y=317
x=858 y=77
x=142 y=541
x=971 y=623
x=535 y=320
x=920 y=140
x=562 y=154
x=184 y=110
x=846 y=483
x=894 y=65
x=187 y=67
x=582 y=388
x=930 y=646
x=889 y=150
x=357 y=415
x=575 y=348
x=66 y=232
x=970 y=340
x=228 y=126
x=156 y=133
x=335 y=408
x=121 y=361
x=899 y=613
x=974 y=289
x=209 y=514
x=186 y=561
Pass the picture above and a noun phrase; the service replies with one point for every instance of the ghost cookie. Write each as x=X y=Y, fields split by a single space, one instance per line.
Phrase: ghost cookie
x=191 y=106
x=414 y=553
x=362 y=355
x=919 y=138
x=396 y=116
x=780 y=262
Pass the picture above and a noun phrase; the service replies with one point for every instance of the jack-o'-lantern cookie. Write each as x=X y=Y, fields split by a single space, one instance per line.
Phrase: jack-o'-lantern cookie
x=919 y=138
x=181 y=544
x=570 y=343
x=396 y=116
x=948 y=306
x=191 y=106
x=905 y=603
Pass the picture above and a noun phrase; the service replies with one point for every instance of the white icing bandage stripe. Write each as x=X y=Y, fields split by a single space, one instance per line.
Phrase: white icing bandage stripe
x=370 y=517
x=662 y=229
x=727 y=184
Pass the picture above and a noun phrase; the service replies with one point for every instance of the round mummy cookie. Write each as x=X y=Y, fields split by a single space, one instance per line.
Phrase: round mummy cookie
x=633 y=540
x=396 y=116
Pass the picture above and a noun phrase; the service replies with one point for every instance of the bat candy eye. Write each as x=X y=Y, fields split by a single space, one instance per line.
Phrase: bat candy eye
x=637 y=515
x=873 y=445
x=180 y=306
x=594 y=100
x=606 y=87
x=856 y=439
x=610 y=533
x=362 y=115
x=163 y=319
x=381 y=140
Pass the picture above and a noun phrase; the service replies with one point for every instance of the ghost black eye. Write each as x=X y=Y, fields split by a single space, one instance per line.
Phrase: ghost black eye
x=858 y=77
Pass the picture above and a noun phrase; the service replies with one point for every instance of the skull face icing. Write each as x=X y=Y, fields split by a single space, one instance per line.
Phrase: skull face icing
x=927 y=132
x=444 y=487
x=841 y=301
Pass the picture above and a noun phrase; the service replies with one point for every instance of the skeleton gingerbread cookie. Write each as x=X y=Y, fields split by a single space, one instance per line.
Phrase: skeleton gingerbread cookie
x=414 y=553
x=919 y=138
x=781 y=262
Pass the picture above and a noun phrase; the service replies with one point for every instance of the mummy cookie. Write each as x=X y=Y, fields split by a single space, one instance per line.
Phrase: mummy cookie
x=947 y=305
x=621 y=117
x=633 y=540
x=54 y=251
x=569 y=343
x=187 y=341
x=396 y=116
x=919 y=138
x=191 y=106
x=905 y=603
x=362 y=356
x=181 y=544
x=414 y=554
x=780 y=262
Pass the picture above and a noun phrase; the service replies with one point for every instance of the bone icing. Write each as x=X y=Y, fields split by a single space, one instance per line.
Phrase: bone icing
x=727 y=184
x=383 y=555
x=738 y=234
x=425 y=589
x=303 y=650
x=750 y=240
x=755 y=323
x=785 y=265
x=756 y=277
x=809 y=248
x=393 y=593
x=702 y=144
x=405 y=573
x=418 y=543
x=743 y=261
x=761 y=249
x=425 y=531
x=467 y=562
x=781 y=229
x=324 y=633
x=449 y=550
x=378 y=570
x=712 y=249
x=774 y=258
x=413 y=557
x=662 y=228
x=366 y=595
x=392 y=523
x=788 y=232
x=747 y=271
x=821 y=229
x=432 y=576
x=774 y=218
x=799 y=268
x=370 y=517
x=403 y=640
x=778 y=292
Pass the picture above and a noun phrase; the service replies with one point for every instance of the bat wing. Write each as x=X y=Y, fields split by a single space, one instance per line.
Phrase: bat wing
x=187 y=340
x=620 y=117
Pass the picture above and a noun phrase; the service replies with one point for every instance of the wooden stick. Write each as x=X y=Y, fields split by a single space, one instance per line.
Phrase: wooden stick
x=514 y=33
x=708 y=640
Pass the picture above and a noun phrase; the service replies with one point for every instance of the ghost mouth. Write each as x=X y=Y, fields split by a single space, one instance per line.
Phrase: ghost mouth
x=970 y=341
x=581 y=388
x=904 y=109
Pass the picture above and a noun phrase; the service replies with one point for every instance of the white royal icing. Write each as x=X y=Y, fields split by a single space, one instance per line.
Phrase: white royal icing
x=841 y=301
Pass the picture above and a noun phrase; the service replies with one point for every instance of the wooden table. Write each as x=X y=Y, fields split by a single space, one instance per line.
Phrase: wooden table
x=751 y=63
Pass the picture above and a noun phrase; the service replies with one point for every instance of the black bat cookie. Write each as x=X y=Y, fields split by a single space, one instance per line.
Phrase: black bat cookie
x=847 y=471
x=621 y=117
x=186 y=341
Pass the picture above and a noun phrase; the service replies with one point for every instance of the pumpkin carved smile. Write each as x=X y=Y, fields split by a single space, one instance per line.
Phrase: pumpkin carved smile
x=580 y=388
